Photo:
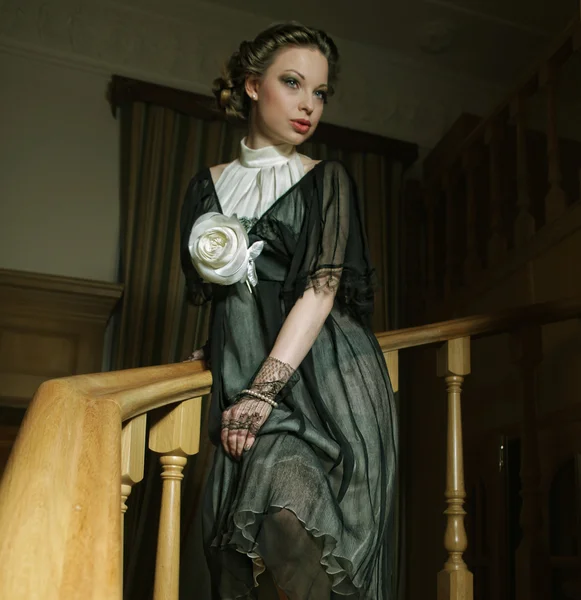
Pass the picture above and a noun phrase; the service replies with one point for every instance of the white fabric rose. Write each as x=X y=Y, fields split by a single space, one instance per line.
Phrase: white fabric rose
x=219 y=249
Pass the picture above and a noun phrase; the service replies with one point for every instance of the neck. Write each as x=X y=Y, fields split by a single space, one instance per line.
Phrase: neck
x=255 y=141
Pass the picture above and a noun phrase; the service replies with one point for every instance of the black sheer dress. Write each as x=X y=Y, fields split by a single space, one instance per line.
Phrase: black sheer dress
x=313 y=500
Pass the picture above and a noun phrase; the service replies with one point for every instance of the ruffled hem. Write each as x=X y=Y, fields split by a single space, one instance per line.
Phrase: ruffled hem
x=243 y=540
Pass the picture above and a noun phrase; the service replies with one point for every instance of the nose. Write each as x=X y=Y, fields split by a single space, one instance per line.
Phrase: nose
x=306 y=103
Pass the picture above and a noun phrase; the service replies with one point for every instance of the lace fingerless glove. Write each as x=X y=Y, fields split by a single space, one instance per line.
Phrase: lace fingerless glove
x=271 y=378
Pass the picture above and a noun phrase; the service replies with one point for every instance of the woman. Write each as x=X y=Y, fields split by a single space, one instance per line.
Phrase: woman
x=302 y=412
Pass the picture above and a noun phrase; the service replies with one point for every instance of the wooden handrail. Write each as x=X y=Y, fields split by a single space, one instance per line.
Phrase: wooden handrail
x=485 y=325
x=137 y=391
x=60 y=496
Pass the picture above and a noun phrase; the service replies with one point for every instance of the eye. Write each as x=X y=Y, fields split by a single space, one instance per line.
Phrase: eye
x=322 y=95
x=291 y=82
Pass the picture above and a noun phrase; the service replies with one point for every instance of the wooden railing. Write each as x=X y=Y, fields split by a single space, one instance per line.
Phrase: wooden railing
x=81 y=447
x=517 y=173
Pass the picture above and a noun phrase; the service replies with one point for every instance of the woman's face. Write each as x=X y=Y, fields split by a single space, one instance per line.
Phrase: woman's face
x=289 y=97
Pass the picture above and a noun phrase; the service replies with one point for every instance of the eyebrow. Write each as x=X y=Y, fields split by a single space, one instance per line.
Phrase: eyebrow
x=303 y=77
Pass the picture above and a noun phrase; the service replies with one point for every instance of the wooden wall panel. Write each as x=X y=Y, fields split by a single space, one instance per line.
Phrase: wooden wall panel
x=50 y=327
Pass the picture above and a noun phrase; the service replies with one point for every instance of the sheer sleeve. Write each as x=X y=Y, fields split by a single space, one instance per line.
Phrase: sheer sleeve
x=197 y=201
x=332 y=254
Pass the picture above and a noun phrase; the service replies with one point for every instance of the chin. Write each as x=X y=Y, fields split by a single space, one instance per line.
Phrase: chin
x=297 y=138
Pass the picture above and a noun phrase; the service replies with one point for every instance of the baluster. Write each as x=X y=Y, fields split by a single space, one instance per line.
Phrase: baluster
x=524 y=225
x=132 y=465
x=556 y=199
x=455 y=580
x=412 y=257
x=532 y=556
x=448 y=186
x=471 y=265
x=430 y=199
x=497 y=240
x=392 y=362
x=576 y=46
x=176 y=435
x=132 y=456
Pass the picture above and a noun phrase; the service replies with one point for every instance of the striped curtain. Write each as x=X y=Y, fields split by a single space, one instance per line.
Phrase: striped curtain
x=161 y=149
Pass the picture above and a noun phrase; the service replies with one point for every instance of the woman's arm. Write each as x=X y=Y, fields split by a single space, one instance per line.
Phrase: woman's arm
x=302 y=326
x=296 y=337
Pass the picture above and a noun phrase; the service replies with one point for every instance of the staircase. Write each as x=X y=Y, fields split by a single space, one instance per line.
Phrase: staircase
x=81 y=447
x=498 y=190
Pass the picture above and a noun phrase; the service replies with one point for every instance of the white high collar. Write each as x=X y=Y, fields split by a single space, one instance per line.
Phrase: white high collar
x=250 y=185
x=268 y=156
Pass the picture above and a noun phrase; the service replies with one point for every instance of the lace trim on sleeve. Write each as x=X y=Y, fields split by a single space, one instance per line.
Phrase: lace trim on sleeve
x=354 y=290
x=325 y=279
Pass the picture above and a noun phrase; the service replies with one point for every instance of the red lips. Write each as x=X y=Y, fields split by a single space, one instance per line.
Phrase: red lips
x=301 y=125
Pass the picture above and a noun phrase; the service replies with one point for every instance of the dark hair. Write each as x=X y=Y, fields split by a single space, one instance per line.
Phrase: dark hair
x=254 y=58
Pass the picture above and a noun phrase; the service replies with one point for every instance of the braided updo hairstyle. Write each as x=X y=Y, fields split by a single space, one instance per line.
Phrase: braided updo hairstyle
x=254 y=58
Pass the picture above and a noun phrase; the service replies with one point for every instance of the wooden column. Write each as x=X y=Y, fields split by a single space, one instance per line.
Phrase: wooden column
x=455 y=580
x=471 y=265
x=392 y=362
x=497 y=239
x=532 y=556
x=413 y=256
x=431 y=201
x=524 y=226
x=576 y=46
x=132 y=456
x=176 y=435
x=132 y=462
x=556 y=199
x=449 y=260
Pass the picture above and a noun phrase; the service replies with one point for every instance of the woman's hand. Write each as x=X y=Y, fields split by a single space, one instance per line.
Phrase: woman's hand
x=196 y=355
x=240 y=424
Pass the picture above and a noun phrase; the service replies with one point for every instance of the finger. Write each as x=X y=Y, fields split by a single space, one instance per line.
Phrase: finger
x=250 y=439
x=250 y=409
x=224 y=438
x=260 y=414
x=226 y=418
x=232 y=433
x=233 y=442
x=240 y=442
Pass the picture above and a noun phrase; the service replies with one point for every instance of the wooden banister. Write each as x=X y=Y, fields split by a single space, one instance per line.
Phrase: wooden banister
x=60 y=496
x=481 y=325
